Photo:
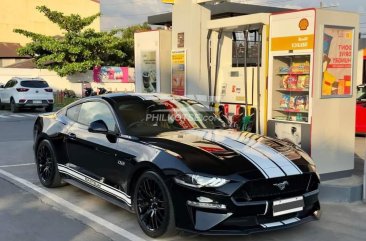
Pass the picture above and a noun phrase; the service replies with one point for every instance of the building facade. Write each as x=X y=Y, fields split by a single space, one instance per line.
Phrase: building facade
x=23 y=14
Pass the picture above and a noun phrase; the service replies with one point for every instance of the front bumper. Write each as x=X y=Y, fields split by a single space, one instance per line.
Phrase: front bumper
x=238 y=218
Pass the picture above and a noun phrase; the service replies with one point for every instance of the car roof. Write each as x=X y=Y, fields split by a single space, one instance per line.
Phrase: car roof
x=113 y=97
x=143 y=96
x=28 y=79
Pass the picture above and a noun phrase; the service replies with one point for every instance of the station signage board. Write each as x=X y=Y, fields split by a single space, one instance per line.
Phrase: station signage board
x=293 y=31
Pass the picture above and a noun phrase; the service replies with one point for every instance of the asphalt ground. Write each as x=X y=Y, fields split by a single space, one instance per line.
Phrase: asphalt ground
x=29 y=211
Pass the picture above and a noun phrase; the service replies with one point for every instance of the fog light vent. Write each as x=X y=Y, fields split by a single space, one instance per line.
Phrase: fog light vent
x=207 y=205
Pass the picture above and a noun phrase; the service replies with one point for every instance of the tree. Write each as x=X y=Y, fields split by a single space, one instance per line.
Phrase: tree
x=128 y=37
x=79 y=49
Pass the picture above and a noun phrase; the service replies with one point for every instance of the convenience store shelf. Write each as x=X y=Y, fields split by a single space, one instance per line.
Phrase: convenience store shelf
x=293 y=73
x=292 y=90
x=292 y=111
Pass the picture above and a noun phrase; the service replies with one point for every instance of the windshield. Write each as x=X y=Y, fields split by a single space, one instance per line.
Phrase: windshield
x=34 y=83
x=151 y=117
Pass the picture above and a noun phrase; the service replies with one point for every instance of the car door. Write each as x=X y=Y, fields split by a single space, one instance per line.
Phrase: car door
x=93 y=154
x=5 y=94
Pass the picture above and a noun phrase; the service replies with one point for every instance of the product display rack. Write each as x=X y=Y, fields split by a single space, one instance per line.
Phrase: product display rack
x=290 y=88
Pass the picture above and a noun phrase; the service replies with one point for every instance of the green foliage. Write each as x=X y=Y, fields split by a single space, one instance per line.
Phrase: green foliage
x=79 y=49
x=128 y=38
x=129 y=32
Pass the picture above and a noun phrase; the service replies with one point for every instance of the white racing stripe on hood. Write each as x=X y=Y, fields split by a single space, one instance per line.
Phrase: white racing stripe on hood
x=263 y=163
x=283 y=162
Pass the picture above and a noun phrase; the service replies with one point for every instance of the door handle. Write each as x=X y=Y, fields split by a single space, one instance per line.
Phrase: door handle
x=72 y=136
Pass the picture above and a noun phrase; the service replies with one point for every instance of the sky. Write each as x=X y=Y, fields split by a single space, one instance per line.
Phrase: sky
x=123 y=13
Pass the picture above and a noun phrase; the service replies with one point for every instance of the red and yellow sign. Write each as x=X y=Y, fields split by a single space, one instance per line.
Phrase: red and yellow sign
x=300 y=42
x=337 y=61
x=178 y=59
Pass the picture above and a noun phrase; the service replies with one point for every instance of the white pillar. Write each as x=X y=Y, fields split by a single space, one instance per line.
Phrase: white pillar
x=191 y=19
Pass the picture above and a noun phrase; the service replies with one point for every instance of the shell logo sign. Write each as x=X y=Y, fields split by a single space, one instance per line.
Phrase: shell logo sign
x=304 y=24
x=293 y=31
x=168 y=1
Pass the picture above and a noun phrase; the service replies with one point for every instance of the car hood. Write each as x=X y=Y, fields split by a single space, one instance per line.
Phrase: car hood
x=229 y=152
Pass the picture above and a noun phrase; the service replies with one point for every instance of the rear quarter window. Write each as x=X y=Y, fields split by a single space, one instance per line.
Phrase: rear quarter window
x=34 y=84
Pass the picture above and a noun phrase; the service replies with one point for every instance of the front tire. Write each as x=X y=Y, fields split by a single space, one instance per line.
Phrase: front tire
x=46 y=163
x=153 y=206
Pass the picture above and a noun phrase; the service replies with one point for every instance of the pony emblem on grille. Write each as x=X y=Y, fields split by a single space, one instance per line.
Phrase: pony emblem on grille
x=282 y=185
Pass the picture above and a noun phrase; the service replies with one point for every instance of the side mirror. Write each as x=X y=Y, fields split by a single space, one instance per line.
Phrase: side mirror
x=98 y=126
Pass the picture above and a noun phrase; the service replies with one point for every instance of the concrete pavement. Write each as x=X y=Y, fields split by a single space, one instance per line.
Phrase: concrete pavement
x=25 y=217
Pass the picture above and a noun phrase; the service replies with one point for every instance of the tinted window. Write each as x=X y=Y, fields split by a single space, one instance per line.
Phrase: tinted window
x=93 y=111
x=73 y=112
x=10 y=84
x=34 y=83
x=151 y=117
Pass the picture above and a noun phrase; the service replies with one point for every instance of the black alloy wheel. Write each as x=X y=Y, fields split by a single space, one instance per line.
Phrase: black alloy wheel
x=47 y=166
x=153 y=206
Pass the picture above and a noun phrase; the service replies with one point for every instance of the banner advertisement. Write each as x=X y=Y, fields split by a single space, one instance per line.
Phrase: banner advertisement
x=178 y=59
x=148 y=68
x=109 y=74
x=337 y=62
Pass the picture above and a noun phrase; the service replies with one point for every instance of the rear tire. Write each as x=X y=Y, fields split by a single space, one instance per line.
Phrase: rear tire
x=13 y=106
x=46 y=163
x=49 y=108
x=153 y=206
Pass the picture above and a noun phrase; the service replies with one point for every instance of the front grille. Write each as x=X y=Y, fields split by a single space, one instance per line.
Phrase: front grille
x=264 y=189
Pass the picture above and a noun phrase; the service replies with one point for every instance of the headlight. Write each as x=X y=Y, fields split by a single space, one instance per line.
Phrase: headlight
x=198 y=181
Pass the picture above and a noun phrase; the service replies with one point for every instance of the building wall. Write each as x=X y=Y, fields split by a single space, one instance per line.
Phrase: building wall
x=23 y=14
x=6 y=62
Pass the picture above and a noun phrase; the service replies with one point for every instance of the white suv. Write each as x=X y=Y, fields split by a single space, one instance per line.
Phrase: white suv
x=26 y=92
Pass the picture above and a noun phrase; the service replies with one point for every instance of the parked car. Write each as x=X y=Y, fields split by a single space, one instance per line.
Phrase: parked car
x=172 y=161
x=20 y=93
x=361 y=110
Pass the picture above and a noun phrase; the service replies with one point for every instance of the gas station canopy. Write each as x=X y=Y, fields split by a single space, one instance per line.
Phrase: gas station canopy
x=222 y=10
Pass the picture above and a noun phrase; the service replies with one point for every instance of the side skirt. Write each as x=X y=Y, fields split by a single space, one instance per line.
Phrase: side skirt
x=95 y=187
x=98 y=193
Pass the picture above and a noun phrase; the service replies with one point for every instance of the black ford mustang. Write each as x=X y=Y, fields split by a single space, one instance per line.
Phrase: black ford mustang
x=172 y=162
